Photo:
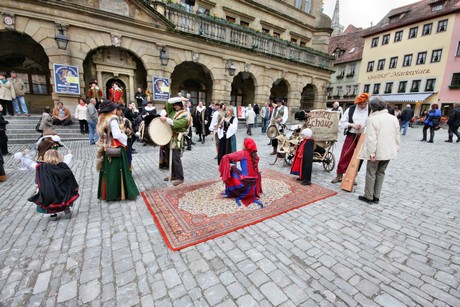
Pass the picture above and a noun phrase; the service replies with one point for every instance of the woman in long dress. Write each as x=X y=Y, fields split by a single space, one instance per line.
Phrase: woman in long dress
x=245 y=184
x=226 y=134
x=115 y=179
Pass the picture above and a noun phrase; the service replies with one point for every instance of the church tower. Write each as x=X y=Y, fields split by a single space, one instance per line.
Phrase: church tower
x=335 y=25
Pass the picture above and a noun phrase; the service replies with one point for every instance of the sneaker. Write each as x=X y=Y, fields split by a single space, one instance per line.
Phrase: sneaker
x=53 y=217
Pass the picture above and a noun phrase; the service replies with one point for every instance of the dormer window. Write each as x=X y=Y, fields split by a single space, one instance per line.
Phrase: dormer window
x=436 y=7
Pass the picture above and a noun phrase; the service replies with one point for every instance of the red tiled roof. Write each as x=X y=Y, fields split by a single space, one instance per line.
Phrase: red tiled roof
x=349 y=39
x=413 y=13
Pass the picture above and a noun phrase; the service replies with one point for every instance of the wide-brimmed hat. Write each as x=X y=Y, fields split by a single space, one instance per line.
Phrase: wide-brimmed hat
x=279 y=100
x=93 y=82
x=107 y=106
x=175 y=100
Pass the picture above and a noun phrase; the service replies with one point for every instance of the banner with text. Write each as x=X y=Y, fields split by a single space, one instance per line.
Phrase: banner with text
x=66 y=79
x=160 y=89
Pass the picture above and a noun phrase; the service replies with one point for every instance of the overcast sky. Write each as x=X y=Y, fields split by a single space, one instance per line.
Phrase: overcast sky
x=361 y=13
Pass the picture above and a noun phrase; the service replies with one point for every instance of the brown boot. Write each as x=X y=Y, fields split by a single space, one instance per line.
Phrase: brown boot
x=337 y=179
x=273 y=153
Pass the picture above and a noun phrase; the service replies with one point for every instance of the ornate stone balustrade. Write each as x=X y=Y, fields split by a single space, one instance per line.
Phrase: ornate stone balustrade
x=238 y=36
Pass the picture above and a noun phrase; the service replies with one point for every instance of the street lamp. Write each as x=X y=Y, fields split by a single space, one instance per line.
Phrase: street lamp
x=60 y=38
x=231 y=68
x=164 y=57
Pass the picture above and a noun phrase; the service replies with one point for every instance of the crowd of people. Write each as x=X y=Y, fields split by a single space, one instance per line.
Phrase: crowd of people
x=114 y=126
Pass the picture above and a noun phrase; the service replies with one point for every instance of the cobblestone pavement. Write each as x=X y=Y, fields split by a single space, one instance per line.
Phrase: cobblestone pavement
x=404 y=251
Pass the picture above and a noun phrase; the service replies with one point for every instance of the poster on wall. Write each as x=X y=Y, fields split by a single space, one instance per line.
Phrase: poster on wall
x=160 y=88
x=66 y=79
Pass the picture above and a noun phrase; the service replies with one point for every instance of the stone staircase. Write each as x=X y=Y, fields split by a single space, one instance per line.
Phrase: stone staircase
x=21 y=130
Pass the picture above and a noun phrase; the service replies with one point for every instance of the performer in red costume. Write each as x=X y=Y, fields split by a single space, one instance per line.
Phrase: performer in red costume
x=244 y=185
x=95 y=92
x=116 y=93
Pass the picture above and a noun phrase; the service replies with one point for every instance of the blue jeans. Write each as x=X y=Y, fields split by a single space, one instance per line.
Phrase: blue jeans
x=404 y=125
x=93 y=137
x=255 y=121
x=264 y=125
x=23 y=105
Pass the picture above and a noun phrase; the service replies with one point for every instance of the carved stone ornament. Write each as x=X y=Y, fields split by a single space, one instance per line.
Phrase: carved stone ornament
x=9 y=21
x=195 y=56
x=116 y=40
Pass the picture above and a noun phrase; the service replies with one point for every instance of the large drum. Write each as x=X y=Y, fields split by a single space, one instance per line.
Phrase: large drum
x=155 y=132
x=272 y=131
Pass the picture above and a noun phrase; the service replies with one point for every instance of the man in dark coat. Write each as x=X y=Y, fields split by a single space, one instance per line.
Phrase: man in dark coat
x=454 y=123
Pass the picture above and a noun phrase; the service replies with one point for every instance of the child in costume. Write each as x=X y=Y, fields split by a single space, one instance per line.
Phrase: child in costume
x=57 y=188
x=302 y=163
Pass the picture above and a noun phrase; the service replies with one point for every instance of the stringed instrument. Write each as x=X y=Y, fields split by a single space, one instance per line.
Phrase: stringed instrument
x=352 y=170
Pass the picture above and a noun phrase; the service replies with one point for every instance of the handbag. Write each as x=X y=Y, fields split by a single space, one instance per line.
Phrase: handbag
x=113 y=152
x=37 y=127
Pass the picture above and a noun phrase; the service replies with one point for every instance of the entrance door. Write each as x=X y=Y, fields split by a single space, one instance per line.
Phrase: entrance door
x=110 y=83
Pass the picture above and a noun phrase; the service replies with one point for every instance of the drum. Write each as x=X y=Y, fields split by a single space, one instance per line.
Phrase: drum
x=159 y=132
x=272 y=132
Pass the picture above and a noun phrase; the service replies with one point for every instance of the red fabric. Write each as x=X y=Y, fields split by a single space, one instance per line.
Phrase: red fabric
x=91 y=94
x=296 y=167
x=116 y=95
x=348 y=149
x=224 y=168
x=250 y=145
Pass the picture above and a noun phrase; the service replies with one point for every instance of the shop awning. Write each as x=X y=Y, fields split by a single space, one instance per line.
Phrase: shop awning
x=421 y=97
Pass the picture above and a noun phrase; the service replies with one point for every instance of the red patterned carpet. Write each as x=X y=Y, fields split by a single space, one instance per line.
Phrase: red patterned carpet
x=193 y=213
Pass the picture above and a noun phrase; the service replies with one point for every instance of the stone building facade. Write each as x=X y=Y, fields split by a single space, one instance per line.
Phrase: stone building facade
x=238 y=52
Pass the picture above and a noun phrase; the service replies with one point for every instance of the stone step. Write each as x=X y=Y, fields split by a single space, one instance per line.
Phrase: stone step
x=32 y=141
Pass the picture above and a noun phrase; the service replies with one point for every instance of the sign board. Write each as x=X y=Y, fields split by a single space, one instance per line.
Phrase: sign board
x=66 y=79
x=160 y=89
x=324 y=124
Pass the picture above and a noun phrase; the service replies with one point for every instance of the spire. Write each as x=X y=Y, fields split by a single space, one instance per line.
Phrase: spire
x=335 y=25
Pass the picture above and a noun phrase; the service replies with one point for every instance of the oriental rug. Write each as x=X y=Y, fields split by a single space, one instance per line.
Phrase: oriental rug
x=196 y=212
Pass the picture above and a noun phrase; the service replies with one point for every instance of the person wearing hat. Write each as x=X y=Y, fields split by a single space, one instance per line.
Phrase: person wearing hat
x=179 y=120
x=19 y=87
x=7 y=94
x=116 y=93
x=244 y=185
x=95 y=92
x=302 y=163
x=115 y=178
x=279 y=117
x=353 y=122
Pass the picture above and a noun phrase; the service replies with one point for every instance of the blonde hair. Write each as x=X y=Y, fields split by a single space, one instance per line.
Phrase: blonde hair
x=52 y=156
x=231 y=111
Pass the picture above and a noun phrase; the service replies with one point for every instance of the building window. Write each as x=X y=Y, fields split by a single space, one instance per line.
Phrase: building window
x=455 y=83
x=367 y=86
x=407 y=60
x=436 y=7
x=307 y=8
x=385 y=39
x=298 y=4
x=436 y=55
x=388 y=87
x=244 y=23
x=351 y=71
x=421 y=58
x=413 y=32
x=381 y=64
x=458 y=49
x=375 y=42
x=415 y=86
x=442 y=25
x=265 y=30
x=393 y=62
x=402 y=87
x=398 y=36
x=276 y=34
x=376 y=89
x=303 y=44
x=203 y=10
x=429 y=87
x=370 y=66
x=230 y=19
x=294 y=40
x=427 y=29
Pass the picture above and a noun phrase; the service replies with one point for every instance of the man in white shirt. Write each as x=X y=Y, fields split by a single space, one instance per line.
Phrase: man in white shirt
x=215 y=122
x=353 y=122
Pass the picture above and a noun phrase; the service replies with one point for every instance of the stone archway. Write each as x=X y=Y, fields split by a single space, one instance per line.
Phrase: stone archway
x=307 y=99
x=108 y=64
x=194 y=79
x=280 y=89
x=20 y=53
x=243 y=89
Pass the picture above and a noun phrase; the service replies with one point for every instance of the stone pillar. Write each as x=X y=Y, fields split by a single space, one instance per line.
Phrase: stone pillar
x=130 y=92
x=99 y=78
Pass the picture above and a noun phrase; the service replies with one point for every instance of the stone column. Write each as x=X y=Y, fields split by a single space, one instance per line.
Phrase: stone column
x=130 y=93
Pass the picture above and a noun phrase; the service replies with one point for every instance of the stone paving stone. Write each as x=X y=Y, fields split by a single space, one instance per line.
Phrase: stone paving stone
x=42 y=282
x=274 y=294
x=215 y=294
x=258 y=277
x=247 y=300
x=67 y=291
x=89 y=292
x=171 y=277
